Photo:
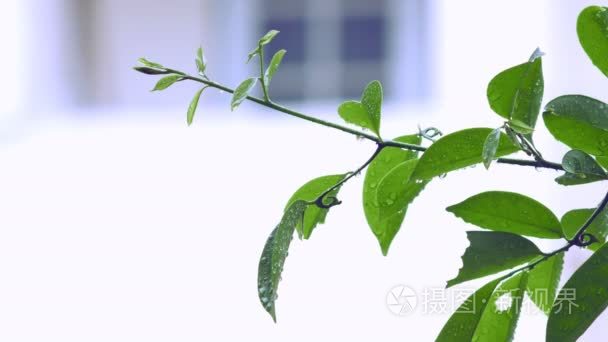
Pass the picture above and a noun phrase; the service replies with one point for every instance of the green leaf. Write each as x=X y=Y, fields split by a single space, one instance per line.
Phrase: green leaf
x=396 y=191
x=193 y=105
x=241 y=92
x=385 y=228
x=274 y=66
x=580 y=168
x=573 y=220
x=586 y=291
x=365 y=114
x=582 y=164
x=150 y=64
x=310 y=192
x=499 y=319
x=520 y=127
x=201 y=64
x=268 y=37
x=577 y=134
x=166 y=82
x=462 y=324
x=603 y=161
x=592 y=29
x=490 y=146
x=509 y=212
x=457 y=150
x=580 y=107
x=274 y=255
x=543 y=282
x=517 y=92
x=492 y=252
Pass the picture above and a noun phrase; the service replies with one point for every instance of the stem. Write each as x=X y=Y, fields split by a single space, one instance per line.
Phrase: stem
x=262 y=80
x=391 y=143
x=579 y=238
x=334 y=201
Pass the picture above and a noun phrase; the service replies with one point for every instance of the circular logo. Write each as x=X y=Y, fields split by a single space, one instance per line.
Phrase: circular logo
x=401 y=300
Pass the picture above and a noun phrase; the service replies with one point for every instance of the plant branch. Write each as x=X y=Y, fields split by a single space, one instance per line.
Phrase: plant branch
x=334 y=201
x=389 y=143
x=581 y=237
x=262 y=78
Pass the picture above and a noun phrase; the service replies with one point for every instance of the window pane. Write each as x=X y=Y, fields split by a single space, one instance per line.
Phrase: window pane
x=363 y=38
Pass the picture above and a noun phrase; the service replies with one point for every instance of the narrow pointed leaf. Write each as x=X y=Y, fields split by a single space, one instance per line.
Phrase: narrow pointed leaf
x=499 y=319
x=517 y=92
x=573 y=220
x=592 y=30
x=493 y=252
x=268 y=37
x=490 y=147
x=274 y=255
x=509 y=212
x=166 y=82
x=458 y=150
x=150 y=64
x=201 y=64
x=543 y=281
x=462 y=324
x=310 y=192
x=193 y=105
x=274 y=66
x=385 y=228
x=589 y=285
x=241 y=92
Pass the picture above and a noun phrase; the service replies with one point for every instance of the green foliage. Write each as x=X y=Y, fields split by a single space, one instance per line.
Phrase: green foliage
x=579 y=122
x=490 y=147
x=543 y=281
x=499 y=319
x=516 y=93
x=492 y=252
x=457 y=150
x=193 y=105
x=166 y=82
x=385 y=227
x=365 y=114
x=396 y=175
x=509 y=212
x=464 y=322
x=589 y=284
x=241 y=92
x=310 y=192
x=274 y=66
x=274 y=255
x=574 y=219
x=592 y=29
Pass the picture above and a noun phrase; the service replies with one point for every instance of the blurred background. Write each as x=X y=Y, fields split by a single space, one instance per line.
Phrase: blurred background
x=118 y=222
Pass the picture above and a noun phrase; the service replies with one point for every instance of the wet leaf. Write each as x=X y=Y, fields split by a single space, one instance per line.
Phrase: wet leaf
x=310 y=192
x=592 y=29
x=385 y=228
x=499 y=319
x=457 y=150
x=582 y=299
x=517 y=92
x=274 y=254
x=543 y=281
x=365 y=114
x=490 y=147
x=573 y=220
x=493 y=252
x=509 y=212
